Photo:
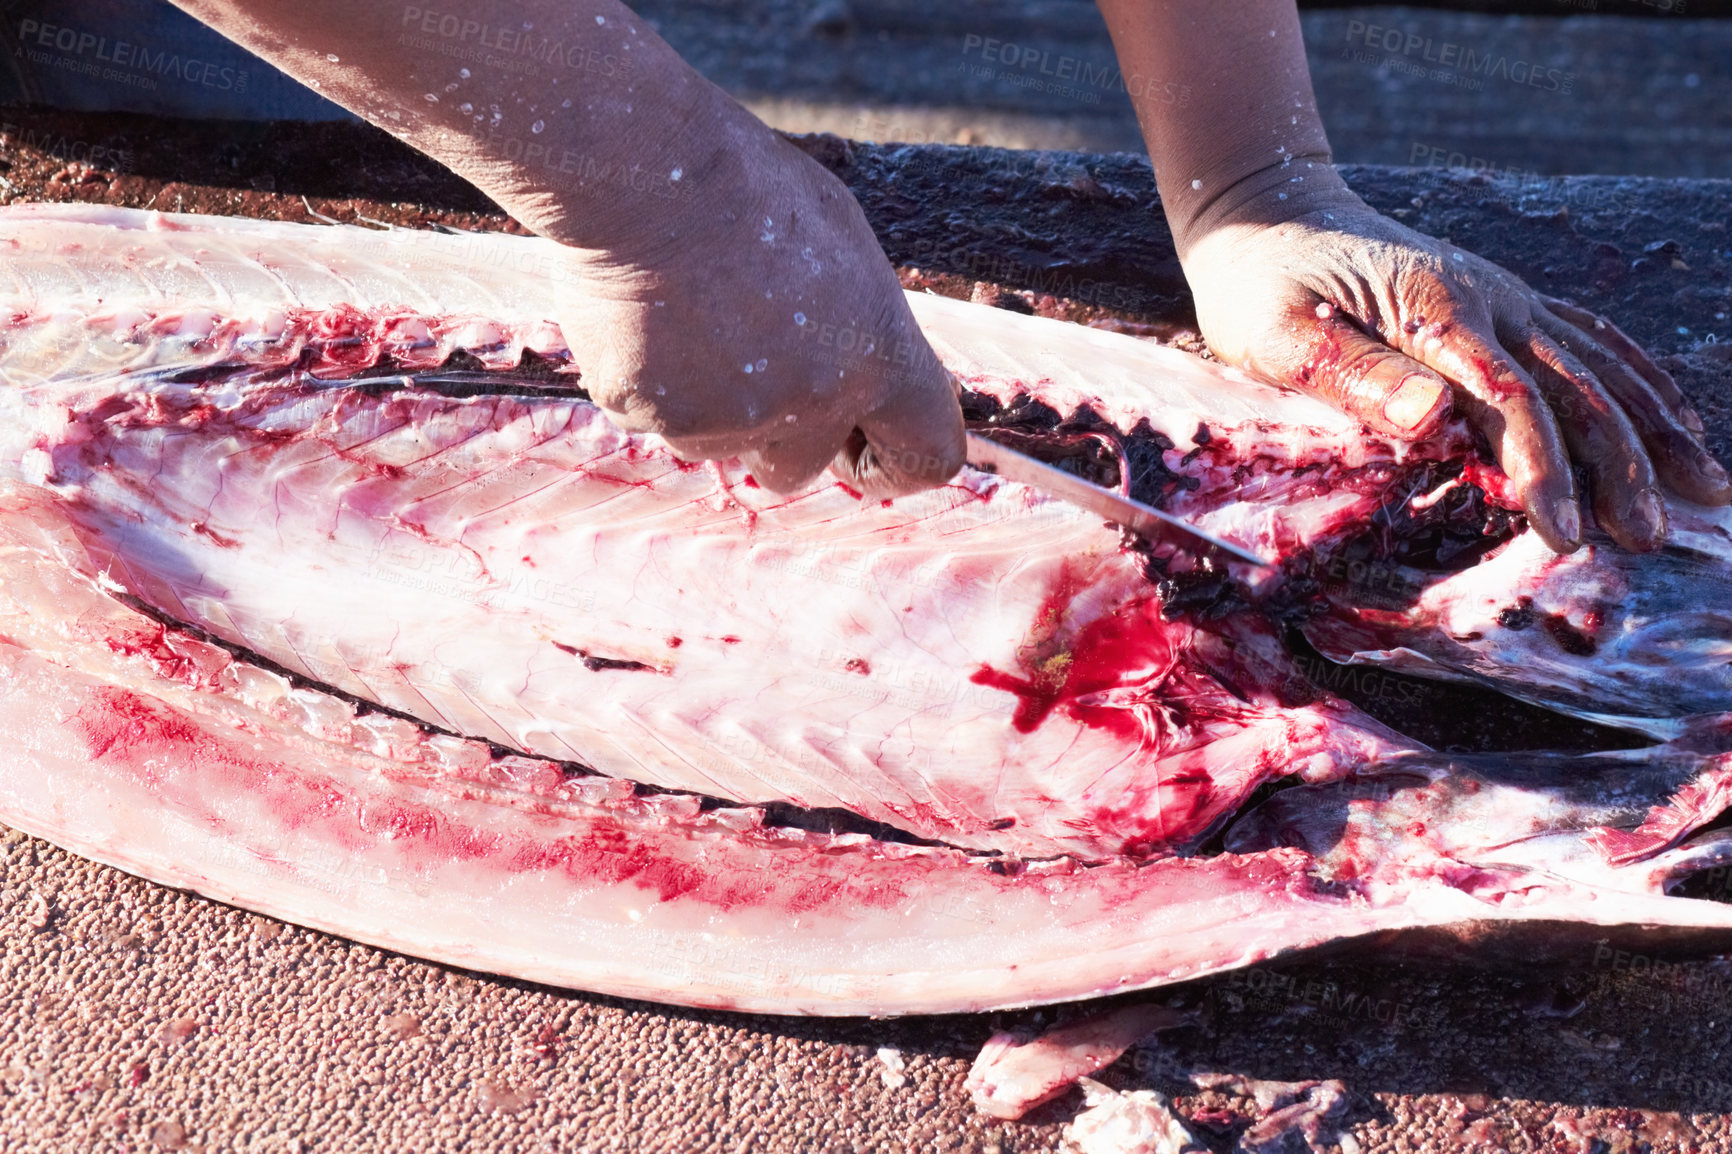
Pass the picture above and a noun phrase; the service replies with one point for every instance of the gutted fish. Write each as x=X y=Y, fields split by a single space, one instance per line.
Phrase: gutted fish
x=326 y=592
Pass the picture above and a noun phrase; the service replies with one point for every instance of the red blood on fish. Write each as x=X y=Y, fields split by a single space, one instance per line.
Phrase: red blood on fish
x=126 y=727
x=204 y=530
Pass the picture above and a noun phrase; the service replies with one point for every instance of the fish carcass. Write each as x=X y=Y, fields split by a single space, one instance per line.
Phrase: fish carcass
x=324 y=591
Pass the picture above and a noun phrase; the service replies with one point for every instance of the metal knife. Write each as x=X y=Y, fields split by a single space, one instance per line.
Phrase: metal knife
x=992 y=457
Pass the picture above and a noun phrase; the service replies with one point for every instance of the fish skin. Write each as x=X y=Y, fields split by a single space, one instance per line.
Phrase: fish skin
x=188 y=756
x=1641 y=641
x=1013 y=1074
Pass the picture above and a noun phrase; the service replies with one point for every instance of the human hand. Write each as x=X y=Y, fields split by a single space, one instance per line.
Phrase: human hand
x=1394 y=327
x=720 y=288
x=766 y=325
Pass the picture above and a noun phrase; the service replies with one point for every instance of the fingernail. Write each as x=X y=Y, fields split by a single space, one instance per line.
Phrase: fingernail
x=1568 y=519
x=1710 y=468
x=1413 y=400
x=1649 y=512
x=1691 y=420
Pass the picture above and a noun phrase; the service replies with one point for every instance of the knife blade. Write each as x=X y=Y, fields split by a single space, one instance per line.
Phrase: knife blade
x=1145 y=520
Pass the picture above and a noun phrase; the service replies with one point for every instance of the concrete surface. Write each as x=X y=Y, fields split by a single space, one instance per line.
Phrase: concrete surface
x=1622 y=86
x=136 y=1018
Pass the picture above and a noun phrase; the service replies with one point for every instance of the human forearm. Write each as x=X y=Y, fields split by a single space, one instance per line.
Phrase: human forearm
x=549 y=106
x=702 y=248
x=1224 y=97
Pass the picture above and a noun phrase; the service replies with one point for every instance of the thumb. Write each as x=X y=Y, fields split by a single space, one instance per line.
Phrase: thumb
x=911 y=442
x=1334 y=359
x=789 y=465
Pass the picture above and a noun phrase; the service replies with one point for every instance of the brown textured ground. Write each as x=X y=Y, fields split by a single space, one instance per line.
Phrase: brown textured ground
x=134 y=1017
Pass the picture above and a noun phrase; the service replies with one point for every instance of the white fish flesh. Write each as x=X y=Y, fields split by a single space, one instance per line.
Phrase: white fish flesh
x=326 y=593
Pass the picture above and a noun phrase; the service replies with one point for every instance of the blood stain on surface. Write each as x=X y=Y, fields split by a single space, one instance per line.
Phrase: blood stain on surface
x=614 y=856
x=140 y=736
x=120 y=724
x=547 y=1042
x=1131 y=647
x=596 y=664
x=204 y=530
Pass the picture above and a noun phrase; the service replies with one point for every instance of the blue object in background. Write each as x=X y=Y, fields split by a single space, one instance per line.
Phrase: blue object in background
x=141 y=56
